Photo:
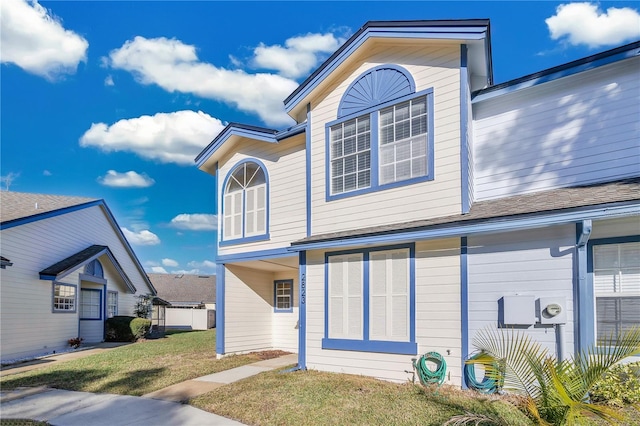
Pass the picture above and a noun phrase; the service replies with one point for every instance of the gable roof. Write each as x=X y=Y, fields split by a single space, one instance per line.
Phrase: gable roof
x=66 y=266
x=490 y=214
x=19 y=208
x=185 y=289
x=239 y=130
x=463 y=30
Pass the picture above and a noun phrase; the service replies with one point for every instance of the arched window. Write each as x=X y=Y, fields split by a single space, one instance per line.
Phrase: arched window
x=94 y=268
x=245 y=202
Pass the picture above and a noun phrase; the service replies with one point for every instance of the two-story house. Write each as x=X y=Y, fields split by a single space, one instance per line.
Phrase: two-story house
x=415 y=203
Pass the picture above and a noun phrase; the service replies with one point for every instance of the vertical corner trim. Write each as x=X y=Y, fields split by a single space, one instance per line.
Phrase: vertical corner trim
x=464 y=132
x=220 y=304
x=308 y=168
x=464 y=304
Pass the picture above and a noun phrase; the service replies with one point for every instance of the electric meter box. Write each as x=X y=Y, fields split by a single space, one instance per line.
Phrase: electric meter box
x=553 y=310
x=519 y=310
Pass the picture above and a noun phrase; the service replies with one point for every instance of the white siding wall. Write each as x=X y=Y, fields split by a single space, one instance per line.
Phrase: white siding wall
x=437 y=317
x=26 y=300
x=285 y=163
x=438 y=326
x=575 y=130
x=248 y=318
x=436 y=67
x=535 y=262
x=285 y=324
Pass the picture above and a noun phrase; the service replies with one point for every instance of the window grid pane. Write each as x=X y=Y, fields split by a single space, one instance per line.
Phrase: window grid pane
x=245 y=212
x=403 y=141
x=283 y=295
x=64 y=297
x=112 y=304
x=616 y=280
x=351 y=155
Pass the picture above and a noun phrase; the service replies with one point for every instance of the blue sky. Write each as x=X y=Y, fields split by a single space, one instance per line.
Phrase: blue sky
x=113 y=100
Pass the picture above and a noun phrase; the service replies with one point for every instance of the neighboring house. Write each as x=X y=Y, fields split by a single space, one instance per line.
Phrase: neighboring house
x=70 y=269
x=192 y=299
x=186 y=290
x=415 y=203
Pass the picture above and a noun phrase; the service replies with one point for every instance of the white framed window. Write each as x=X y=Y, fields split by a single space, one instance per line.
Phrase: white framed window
x=112 y=304
x=403 y=141
x=283 y=296
x=351 y=155
x=90 y=304
x=64 y=297
x=389 y=145
x=616 y=285
x=245 y=202
x=369 y=294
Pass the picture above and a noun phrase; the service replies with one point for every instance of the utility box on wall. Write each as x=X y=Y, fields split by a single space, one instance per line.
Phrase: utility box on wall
x=518 y=310
x=553 y=310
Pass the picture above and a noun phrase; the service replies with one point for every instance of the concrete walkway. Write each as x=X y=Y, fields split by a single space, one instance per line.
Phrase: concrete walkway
x=162 y=407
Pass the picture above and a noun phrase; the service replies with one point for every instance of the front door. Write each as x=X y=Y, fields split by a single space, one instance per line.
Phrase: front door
x=91 y=315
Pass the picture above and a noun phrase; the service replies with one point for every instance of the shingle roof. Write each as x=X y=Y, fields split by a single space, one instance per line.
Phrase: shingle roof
x=534 y=203
x=18 y=205
x=185 y=288
x=74 y=260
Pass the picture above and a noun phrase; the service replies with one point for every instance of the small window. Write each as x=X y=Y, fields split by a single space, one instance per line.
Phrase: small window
x=64 y=298
x=351 y=155
x=90 y=304
x=283 y=299
x=616 y=279
x=112 y=304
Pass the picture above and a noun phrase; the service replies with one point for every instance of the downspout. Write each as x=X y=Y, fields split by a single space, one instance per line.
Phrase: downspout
x=583 y=233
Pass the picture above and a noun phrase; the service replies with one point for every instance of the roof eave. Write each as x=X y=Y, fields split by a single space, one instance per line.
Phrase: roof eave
x=476 y=29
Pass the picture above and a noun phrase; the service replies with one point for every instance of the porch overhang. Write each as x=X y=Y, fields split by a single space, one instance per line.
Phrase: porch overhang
x=72 y=263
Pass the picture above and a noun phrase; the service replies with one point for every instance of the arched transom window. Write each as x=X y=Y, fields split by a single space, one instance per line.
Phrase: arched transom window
x=94 y=268
x=245 y=202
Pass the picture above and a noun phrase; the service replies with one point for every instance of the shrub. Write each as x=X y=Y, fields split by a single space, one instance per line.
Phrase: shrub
x=126 y=329
x=140 y=327
x=619 y=386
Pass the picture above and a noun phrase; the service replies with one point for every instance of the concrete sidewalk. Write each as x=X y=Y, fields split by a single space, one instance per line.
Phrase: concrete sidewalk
x=162 y=407
x=67 y=408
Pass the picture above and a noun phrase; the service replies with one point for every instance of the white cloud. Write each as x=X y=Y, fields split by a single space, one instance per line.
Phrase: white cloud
x=109 y=81
x=585 y=23
x=175 y=67
x=46 y=173
x=195 y=222
x=128 y=179
x=187 y=272
x=298 y=56
x=35 y=40
x=203 y=264
x=169 y=263
x=176 y=137
x=141 y=238
x=157 y=270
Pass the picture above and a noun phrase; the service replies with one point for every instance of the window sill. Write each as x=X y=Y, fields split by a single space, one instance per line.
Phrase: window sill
x=379 y=346
x=245 y=240
x=282 y=311
x=378 y=188
x=58 y=311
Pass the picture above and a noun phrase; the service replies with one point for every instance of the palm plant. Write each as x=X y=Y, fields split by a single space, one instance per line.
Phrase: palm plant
x=556 y=392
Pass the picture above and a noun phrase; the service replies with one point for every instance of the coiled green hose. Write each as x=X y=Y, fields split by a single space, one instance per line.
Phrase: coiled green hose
x=488 y=384
x=425 y=374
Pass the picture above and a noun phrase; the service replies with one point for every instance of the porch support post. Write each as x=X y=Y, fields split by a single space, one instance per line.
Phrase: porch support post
x=302 y=311
x=583 y=293
x=220 y=303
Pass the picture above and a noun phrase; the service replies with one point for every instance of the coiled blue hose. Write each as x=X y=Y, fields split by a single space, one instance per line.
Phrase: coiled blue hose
x=425 y=374
x=488 y=384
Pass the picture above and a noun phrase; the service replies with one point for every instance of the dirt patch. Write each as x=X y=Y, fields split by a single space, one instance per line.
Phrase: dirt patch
x=264 y=355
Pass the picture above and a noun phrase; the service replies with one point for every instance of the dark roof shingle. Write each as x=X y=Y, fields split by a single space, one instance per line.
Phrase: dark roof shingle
x=185 y=288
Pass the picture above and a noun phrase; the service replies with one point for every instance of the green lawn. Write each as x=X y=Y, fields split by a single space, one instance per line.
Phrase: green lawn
x=135 y=369
x=314 y=398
